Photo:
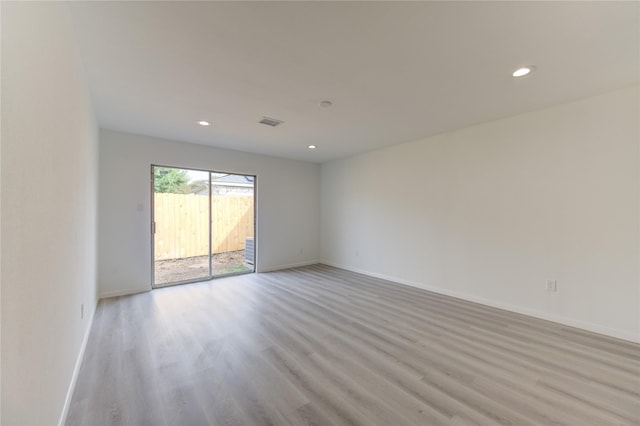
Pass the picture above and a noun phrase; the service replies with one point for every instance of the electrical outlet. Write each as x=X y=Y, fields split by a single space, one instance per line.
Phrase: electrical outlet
x=81 y=310
x=552 y=285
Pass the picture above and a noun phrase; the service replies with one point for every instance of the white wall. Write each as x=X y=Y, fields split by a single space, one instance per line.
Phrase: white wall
x=489 y=213
x=48 y=226
x=288 y=204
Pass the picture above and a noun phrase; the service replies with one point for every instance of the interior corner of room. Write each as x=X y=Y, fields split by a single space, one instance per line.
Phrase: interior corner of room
x=533 y=208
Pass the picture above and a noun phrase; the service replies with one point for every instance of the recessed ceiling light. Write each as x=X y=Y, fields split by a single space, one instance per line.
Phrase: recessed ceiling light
x=203 y=123
x=325 y=104
x=312 y=147
x=521 y=72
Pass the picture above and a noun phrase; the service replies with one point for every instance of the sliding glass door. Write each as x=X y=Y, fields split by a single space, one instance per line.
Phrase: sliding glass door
x=203 y=225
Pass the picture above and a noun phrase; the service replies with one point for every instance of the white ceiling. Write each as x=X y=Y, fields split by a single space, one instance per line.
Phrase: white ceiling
x=395 y=71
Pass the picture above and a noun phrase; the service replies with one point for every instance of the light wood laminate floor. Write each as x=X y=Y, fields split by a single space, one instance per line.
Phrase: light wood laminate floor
x=323 y=346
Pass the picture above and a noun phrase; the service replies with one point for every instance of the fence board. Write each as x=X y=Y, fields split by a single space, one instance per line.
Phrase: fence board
x=181 y=224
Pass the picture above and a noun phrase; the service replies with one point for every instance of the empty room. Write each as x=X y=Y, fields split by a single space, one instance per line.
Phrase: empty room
x=320 y=213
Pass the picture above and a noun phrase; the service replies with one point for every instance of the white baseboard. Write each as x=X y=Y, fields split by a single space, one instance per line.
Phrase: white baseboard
x=128 y=292
x=291 y=265
x=584 y=325
x=125 y=292
x=76 y=369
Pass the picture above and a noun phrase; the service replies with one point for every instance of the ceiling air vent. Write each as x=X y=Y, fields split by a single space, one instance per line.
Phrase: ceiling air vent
x=270 y=121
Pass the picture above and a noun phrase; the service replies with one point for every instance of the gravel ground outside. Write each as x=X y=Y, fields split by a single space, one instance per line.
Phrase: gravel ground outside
x=173 y=270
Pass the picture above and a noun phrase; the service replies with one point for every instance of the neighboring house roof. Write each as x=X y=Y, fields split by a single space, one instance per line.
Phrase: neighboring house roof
x=241 y=180
x=237 y=181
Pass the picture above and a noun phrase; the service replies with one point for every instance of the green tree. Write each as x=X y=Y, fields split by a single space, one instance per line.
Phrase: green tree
x=170 y=180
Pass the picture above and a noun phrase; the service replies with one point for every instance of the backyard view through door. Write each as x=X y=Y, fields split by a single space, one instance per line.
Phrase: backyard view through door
x=203 y=225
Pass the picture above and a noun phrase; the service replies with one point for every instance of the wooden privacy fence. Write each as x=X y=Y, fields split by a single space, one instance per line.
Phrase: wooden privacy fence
x=181 y=224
